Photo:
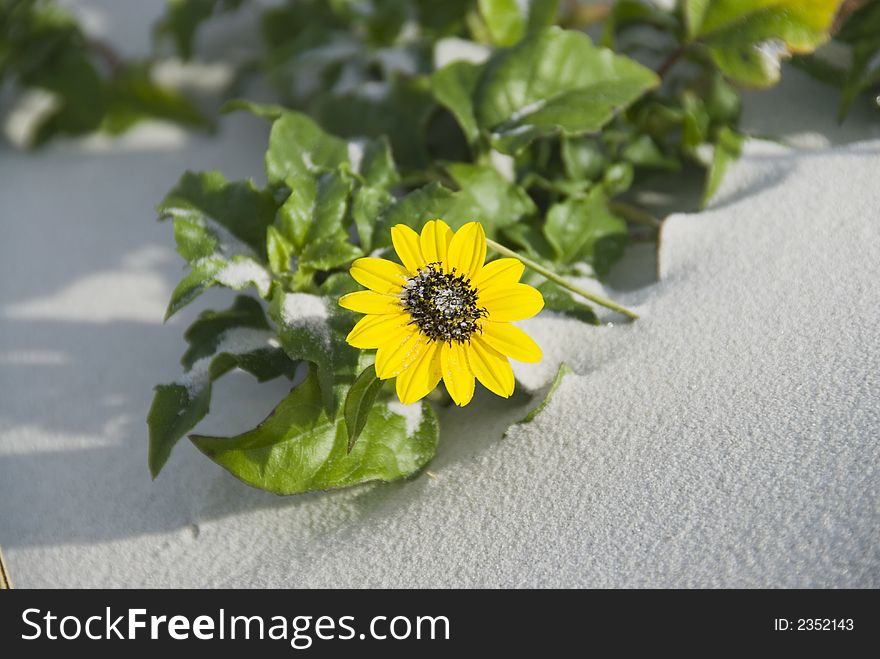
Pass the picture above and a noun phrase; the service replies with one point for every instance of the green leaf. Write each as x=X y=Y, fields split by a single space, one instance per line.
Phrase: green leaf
x=644 y=152
x=414 y=209
x=564 y=370
x=313 y=328
x=747 y=39
x=176 y=410
x=219 y=341
x=236 y=273
x=509 y=20
x=359 y=402
x=585 y=230
x=583 y=158
x=618 y=178
x=206 y=197
x=279 y=250
x=727 y=149
x=205 y=334
x=367 y=206
x=377 y=164
x=299 y=147
x=489 y=197
x=555 y=80
x=453 y=86
x=298 y=448
x=329 y=253
x=315 y=209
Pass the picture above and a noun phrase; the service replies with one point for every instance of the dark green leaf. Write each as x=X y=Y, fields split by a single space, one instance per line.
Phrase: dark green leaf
x=453 y=87
x=564 y=370
x=205 y=334
x=183 y=17
x=561 y=301
x=298 y=448
x=359 y=402
x=298 y=147
x=489 y=197
x=727 y=149
x=176 y=410
x=585 y=230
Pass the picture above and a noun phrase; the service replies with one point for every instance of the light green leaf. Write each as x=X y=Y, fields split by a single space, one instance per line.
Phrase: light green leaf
x=377 y=164
x=298 y=448
x=509 y=20
x=747 y=38
x=279 y=250
x=489 y=197
x=453 y=87
x=555 y=80
x=585 y=230
x=728 y=147
x=315 y=209
x=367 y=206
x=329 y=253
x=299 y=147
x=359 y=402
x=583 y=158
x=644 y=152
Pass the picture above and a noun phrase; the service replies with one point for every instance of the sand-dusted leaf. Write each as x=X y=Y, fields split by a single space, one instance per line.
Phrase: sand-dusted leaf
x=315 y=209
x=207 y=199
x=586 y=230
x=359 y=402
x=299 y=448
x=555 y=80
x=236 y=273
x=747 y=39
x=219 y=341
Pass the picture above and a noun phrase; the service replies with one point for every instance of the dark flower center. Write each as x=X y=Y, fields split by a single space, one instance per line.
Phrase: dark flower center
x=443 y=305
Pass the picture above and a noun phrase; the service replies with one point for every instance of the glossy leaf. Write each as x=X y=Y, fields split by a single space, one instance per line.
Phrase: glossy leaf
x=359 y=402
x=299 y=448
x=556 y=80
x=747 y=39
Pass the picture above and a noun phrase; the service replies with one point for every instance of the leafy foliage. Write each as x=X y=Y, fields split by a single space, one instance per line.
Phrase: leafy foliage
x=395 y=112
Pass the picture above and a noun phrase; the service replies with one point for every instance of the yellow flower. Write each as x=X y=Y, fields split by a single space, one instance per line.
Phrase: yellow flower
x=443 y=313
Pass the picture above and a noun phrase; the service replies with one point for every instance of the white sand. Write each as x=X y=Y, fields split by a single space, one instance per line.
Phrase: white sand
x=729 y=438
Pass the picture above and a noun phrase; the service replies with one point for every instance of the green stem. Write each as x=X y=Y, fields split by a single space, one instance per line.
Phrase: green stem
x=552 y=276
x=634 y=214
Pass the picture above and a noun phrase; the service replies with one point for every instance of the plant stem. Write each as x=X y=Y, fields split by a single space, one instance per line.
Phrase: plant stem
x=552 y=276
x=664 y=67
x=634 y=214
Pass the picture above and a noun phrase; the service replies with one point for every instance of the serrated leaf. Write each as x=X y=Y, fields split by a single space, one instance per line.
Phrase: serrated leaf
x=555 y=80
x=219 y=342
x=728 y=147
x=313 y=328
x=315 y=209
x=585 y=230
x=329 y=253
x=359 y=402
x=453 y=86
x=238 y=206
x=236 y=273
x=747 y=39
x=299 y=147
x=298 y=448
x=206 y=332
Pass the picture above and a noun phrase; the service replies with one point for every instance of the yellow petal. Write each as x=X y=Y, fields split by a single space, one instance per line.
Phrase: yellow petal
x=500 y=272
x=506 y=303
x=370 y=302
x=373 y=331
x=511 y=341
x=467 y=250
x=398 y=354
x=434 y=241
x=491 y=367
x=379 y=275
x=406 y=244
x=422 y=376
x=457 y=375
